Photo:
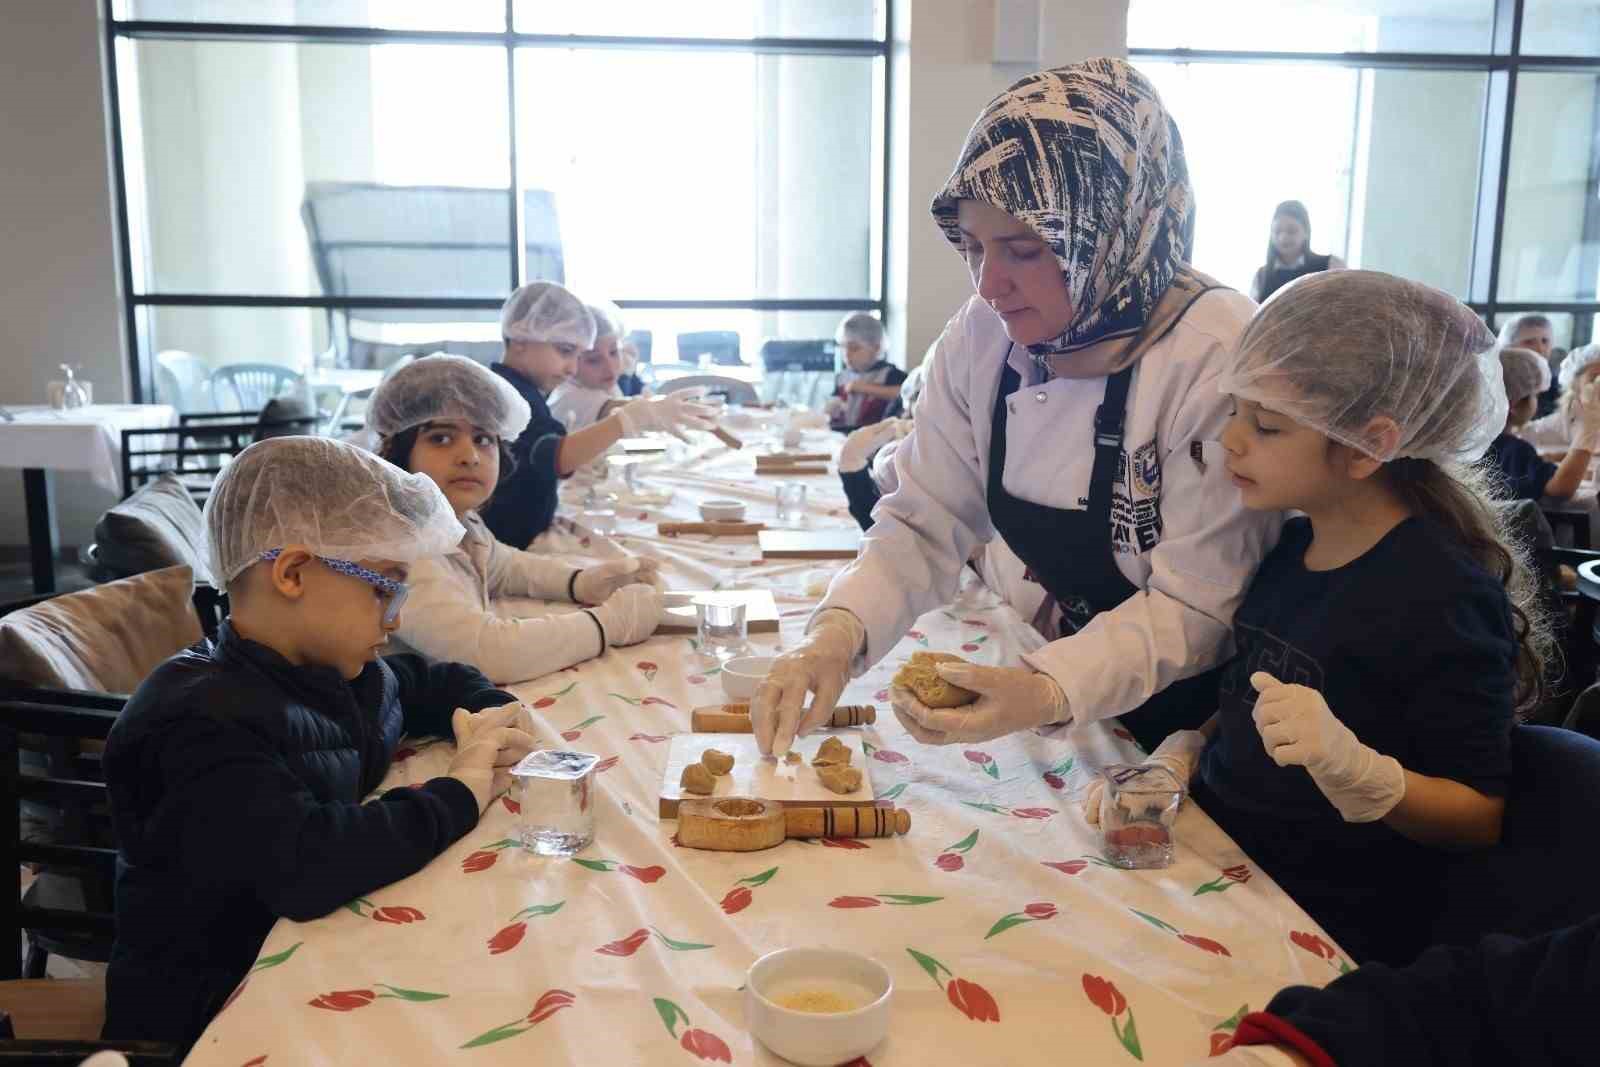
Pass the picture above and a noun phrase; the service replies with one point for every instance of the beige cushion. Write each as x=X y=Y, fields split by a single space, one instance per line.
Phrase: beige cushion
x=107 y=638
x=158 y=526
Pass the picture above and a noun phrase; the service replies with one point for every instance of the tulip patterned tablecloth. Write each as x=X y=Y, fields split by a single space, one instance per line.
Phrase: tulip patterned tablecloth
x=1008 y=937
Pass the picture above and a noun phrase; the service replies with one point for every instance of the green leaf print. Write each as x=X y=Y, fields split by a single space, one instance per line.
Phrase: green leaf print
x=272 y=961
x=758 y=879
x=931 y=965
x=1016 y=918
x=499 y=1033
x=409 y=994
x=1129 y=1036
x=595 y=865
x=670 y=1014
x=538 y=909
x=906 y=898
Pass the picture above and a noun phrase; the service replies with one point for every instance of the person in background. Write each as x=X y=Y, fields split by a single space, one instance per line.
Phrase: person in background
x=1555 y=433
x=545 y=327
x=869 y=383
x=1535 y=333
x=237 y=771
x=629 y=382
x=1384 y=645
x=1503 y=1001
x=584 y=398
x=1289 y=254
x=451 y=419
x=1552 y=392
x=866 y=462
x=1523 y=474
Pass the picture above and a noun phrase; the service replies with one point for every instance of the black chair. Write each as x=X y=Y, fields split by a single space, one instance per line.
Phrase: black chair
x=798 y=372
x=1584 y=717
x=196 y=449
x=721 y=345
x=1570 y=525
x=642 y=340
x=1544 y=873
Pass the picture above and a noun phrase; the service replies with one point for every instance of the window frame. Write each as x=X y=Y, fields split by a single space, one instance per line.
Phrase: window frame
x=142 y=363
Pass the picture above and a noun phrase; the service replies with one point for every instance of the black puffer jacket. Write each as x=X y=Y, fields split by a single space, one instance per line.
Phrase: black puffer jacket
x=236 y=781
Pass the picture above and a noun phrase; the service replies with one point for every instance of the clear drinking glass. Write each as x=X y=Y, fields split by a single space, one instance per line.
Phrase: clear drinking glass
x=557 y=797
x=1137 y=810
x=791 y=503
x=722 y=624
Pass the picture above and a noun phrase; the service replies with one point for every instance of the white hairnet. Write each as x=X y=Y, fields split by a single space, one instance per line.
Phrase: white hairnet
x=443 y=386
x=861 y=326
x=337 y=500
x=1576 y=361
x=1526 y=373
x=607 y=320
x=1514 y=325
x=1335 y=351
x=545 y=311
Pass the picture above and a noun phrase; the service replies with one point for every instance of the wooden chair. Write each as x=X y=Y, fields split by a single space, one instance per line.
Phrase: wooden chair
x=57 y=1022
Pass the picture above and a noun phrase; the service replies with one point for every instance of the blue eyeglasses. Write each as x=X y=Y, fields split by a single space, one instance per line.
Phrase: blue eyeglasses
x=392 y=593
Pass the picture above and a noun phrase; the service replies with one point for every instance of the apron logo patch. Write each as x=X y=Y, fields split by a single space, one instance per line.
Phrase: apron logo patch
x=1136 y=501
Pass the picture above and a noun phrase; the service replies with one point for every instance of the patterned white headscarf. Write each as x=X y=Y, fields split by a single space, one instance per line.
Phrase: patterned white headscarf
x=1089 y=158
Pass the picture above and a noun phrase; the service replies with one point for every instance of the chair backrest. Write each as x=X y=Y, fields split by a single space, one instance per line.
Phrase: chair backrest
x=1543 y=874
x=198 y=449
x=642 y=340
x=250 y=385
x=721 y=345
x=184 y=381
x=739 y=393
x=798 y=373
x=445 y=241
x=817 y=355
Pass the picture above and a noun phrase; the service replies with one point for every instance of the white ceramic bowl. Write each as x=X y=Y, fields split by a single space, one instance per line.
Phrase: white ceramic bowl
x=741 y=675
x=722 y=511
x=818 y=1039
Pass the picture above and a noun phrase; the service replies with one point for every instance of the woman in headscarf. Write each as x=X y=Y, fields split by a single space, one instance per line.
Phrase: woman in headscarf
x=1072 y=409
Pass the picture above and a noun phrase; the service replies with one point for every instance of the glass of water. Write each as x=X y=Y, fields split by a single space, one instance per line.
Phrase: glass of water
x=791 y=503
x=722 y=624
x=557 y=797
x=1137 y=812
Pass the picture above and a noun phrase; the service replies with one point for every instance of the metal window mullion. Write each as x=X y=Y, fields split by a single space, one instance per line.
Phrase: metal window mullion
x=1494 y=162
x=489 y=303
x=514 y=187
x=137 y=370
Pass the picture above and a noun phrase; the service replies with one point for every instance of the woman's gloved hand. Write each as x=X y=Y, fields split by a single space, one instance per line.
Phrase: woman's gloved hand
x=1179 y=754
x=820 y=665
x=1009 y=699
x=1299 y=729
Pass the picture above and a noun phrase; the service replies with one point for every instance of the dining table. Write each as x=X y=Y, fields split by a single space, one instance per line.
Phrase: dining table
x=1008 y=935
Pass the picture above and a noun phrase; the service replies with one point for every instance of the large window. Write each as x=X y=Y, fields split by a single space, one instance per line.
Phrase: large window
x=326 y=184
x=1457 y=143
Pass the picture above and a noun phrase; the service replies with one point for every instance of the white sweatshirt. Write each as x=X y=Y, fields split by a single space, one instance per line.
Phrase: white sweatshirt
x=1185 y=541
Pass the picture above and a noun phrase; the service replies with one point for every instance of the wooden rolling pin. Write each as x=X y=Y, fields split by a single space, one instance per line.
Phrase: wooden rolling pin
x=783 y=459
x=715 y=529
x=793 y=468
x=735 y=718
x=744 y=824
x=726 y=438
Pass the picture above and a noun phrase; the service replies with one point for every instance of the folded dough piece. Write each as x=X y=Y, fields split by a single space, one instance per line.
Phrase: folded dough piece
x=839 y=778
x=716 y=761
x=696 y=779
x=919 y=675
x=831 y=752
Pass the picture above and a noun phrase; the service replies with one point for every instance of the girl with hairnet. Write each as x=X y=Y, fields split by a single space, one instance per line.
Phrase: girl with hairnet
x=869 y=383
x=1070 y=410
x=1554 y=433
x=545 y=328
x=1385 y=644
x=594 y=389
x=238 y=768
x=1523 y=474
x=449 y=418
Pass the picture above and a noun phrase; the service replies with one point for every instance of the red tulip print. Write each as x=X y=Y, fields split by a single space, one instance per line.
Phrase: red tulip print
x=736 y=900
x=1069 y=866
x=949 y=861
x=1035 y=912
x=1230 y=877
x=1054 y=781
x=256 y=1062
x=1120 y=732
x=983 y=761
x=643 y=874
x=544 y=702
x=902 y=899
x=853 y=902
x=969 y=998
x=887 y=755
x=398 y=915
x=1205 y=944
x=1220 y=1043
x=605 y=765
x=970 y=647
x=575 y=732
x=697 y=679
x=1321 y=949
x=1109 y=999
x=647 y=669
x=1032 y=813
x=547 y=1005
x=626 y=946
x=1040 y=911
x=703 y=1043
x=403 y=753
x=657 y=701
x=479 y=861
x=882 y=694
x=351 y=999
x=653 y=739
x=1222 y=1034
x=550 y=698
x=1239 y=874
x=507 y=939
x=706 y=1045
x=511 y=805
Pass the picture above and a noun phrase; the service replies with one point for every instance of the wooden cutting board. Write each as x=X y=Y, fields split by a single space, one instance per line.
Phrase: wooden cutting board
x=789 y=784
x=643 y=446
x=810 y=544
x=760 y=611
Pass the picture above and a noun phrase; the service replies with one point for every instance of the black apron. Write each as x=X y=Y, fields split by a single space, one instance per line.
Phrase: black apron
x=1069 y=552
x=1278 y=277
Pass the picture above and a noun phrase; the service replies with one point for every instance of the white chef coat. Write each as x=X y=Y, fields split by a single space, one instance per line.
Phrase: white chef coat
x=448 y=616
x=1553 y=431
x=577 y=406
x=1188 y=546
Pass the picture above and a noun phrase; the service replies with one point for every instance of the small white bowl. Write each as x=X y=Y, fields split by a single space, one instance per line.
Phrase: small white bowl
x=722 y=511
x=811 y=1038
x=741 y=675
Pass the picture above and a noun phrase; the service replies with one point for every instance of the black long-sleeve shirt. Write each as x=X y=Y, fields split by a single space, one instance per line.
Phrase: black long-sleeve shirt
x=524 y=504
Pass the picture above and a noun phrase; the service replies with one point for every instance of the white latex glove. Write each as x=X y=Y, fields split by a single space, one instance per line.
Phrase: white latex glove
x=1586 y=418
x=1254 y=1056
x=484 y=765
x=595 y=584
x=820 y=665
x=1298 y=728
x=673 y=413
x=1179 y=754
x=631 y=614
x=1009 y=699
x=468 y=724
x=862 y=444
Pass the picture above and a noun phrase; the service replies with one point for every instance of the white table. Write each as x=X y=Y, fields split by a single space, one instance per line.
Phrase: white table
x=41 y=440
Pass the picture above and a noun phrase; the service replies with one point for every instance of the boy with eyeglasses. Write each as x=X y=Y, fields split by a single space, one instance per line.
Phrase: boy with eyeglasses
x=238 y=768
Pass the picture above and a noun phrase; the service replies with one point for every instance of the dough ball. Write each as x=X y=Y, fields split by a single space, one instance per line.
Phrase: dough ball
x=696 y=779
x=832 y=752
x=839 y=778
x=791 y=756
x=716 y=761
x=919 y=676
